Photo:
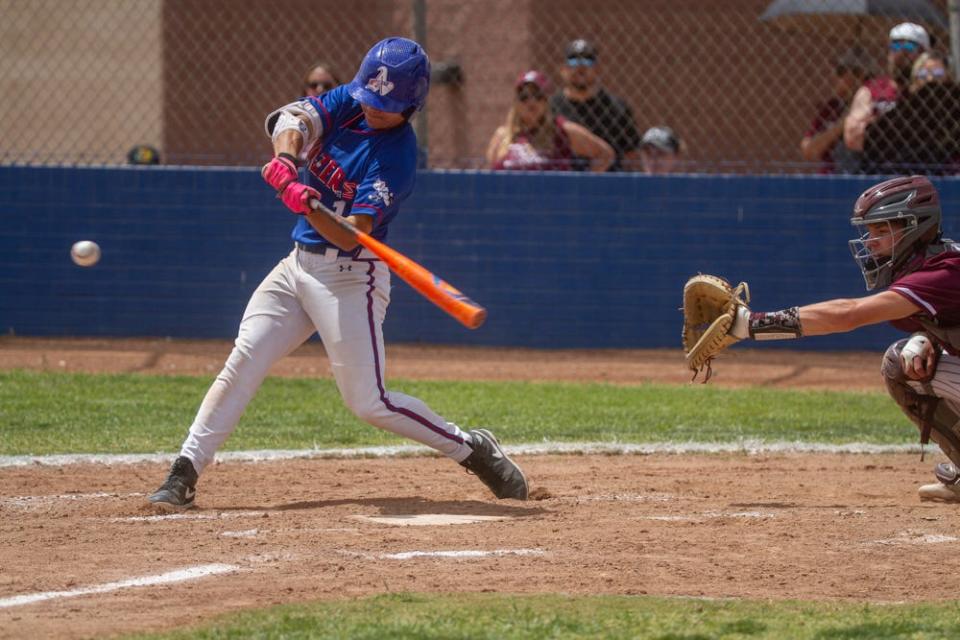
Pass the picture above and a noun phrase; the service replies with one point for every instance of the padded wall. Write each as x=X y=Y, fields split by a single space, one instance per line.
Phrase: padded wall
x=560 y=260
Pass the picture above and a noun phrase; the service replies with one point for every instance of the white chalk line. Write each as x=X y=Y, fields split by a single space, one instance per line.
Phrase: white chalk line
x=191 y=516
x=455 y=554
x=36 y=501
x=710 y=515
x=170 y=577
x=749 y=447
x=622 y=497
x=915 y=537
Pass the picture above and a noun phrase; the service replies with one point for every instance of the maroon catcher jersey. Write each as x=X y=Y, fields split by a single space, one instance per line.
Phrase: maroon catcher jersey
x=935 y=288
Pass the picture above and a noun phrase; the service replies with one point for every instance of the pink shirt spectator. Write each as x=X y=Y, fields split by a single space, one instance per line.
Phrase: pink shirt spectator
x=884 y=93
x=523 y=156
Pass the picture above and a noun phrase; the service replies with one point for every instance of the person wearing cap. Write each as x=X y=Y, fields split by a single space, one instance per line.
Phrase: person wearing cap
x=878 y=95
x=533 y=138
x=583 y=100
x=660 y=150
x=919 y=135
x=826 y=129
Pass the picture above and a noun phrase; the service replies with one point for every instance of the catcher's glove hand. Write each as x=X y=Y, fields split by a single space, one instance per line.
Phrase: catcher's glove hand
x=710 y=306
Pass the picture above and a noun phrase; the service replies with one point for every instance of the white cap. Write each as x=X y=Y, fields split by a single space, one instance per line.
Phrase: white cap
x=912 y=32
x=661 y=137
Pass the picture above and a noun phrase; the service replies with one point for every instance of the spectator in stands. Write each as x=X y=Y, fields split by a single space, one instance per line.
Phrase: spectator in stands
x=533 y=138
x=826 y=130
x=921 y=134
x=585 y=101
x=929 y=67
x=660 y=150
x=878 y=95
x=319 y=80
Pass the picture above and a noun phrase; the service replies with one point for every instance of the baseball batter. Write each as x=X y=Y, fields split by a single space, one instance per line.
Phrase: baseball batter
x=899 y=247
x=360 y=154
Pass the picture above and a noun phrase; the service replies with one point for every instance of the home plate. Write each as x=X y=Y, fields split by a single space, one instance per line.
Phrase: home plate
x=428 y=519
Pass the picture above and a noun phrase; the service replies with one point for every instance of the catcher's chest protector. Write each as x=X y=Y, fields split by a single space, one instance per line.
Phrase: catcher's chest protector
x=949 y=336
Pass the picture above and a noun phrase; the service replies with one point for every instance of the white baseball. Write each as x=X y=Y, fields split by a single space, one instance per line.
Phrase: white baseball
x=918 y=346
x=85 y=253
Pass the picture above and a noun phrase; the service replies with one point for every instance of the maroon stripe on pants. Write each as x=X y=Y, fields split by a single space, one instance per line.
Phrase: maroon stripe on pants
x=376 y=364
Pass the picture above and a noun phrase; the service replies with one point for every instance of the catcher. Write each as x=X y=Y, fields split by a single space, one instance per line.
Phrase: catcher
x=899 y=247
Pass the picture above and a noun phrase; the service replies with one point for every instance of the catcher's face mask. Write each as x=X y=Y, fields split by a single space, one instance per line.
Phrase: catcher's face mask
x=879 y=249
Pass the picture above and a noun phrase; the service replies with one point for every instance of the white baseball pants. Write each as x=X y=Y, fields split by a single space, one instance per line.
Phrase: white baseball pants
x=345 y=300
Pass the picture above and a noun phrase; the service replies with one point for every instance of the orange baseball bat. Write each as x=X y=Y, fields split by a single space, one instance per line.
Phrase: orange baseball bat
x=441 y=293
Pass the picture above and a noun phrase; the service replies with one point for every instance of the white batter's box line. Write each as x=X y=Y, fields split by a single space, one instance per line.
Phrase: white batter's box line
x=170 y=577
x=37 y=501
x=914 y=538
x=749 y=447
x=191 y=516
x=456 y=554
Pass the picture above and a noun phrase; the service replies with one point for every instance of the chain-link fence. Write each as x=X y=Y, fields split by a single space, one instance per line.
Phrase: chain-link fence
x=735 y=86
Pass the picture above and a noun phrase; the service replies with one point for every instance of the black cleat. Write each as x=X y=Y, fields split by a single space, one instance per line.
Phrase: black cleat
x=489 y=463
x=176 y=494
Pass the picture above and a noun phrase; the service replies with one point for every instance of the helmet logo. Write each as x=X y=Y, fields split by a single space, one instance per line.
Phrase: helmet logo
x=379 y=83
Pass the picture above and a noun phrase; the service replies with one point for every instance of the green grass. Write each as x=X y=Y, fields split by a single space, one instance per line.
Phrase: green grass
x=557 y=617
x=45 y=413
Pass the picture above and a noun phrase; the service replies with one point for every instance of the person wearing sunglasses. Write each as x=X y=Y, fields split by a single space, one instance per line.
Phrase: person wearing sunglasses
x=930 y=67
x=919 y=135
x=878 y=95
x=319 y=80
x=585 y=101
x=533 y=138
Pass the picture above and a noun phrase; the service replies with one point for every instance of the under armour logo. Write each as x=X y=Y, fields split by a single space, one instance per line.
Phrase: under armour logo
x=379 y=83
x=346 y=267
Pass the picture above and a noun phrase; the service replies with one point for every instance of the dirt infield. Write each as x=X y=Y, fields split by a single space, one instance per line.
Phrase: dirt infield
x=842 y=527
x=812 y=527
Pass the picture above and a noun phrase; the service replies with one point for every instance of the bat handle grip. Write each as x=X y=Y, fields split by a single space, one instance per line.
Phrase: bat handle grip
x=314 y=203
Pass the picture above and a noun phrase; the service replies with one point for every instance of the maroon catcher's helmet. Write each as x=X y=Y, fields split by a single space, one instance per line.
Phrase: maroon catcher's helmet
x=910 y=202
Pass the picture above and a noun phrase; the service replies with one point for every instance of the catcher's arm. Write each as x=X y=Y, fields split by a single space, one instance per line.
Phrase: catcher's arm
x=821 y=318
x=846 y=314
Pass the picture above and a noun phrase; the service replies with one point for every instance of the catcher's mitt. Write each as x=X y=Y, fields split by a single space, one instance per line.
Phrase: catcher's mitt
x=710 y=306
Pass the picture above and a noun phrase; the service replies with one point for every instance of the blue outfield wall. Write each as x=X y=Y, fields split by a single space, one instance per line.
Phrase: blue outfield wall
x=560 y=260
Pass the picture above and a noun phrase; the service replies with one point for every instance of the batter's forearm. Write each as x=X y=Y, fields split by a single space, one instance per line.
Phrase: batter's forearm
x=333 y=231
x=289 y=141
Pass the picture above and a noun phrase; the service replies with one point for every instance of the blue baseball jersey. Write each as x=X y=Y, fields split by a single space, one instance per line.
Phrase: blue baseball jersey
x=356 y=169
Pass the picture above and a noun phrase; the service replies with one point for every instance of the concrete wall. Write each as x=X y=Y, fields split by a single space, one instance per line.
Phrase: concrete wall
x=560 y=260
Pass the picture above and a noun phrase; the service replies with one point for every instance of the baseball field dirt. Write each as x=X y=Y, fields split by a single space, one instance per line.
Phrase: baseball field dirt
x=784 y=526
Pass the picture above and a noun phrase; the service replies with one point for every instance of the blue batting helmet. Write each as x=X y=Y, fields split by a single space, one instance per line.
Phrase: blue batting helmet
x=394 y=76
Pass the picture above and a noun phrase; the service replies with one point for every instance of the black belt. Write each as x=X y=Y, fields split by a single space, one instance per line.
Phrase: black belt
x=322 y=249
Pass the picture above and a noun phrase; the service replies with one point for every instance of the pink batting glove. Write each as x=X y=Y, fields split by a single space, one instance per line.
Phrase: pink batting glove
x=297 y=197
x=280 y=172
